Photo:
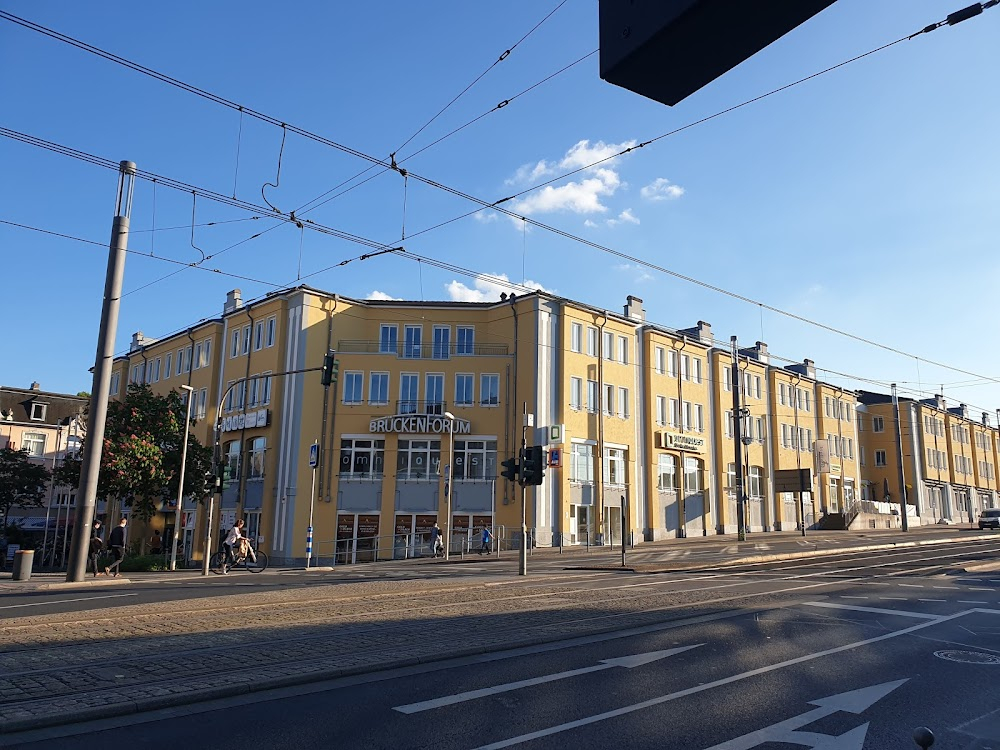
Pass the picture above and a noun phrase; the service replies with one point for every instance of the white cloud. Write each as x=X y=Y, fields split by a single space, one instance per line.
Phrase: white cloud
x=485 y=217
x=640 y=273
x=661 y=189
x=625 y=217
x=527 y=173
x=589 y=223
x=487 y=288
x=581 y=196
x=377 y=295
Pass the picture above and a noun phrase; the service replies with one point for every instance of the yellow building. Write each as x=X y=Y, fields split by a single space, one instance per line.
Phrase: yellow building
x=431 y=396
x=949 y=459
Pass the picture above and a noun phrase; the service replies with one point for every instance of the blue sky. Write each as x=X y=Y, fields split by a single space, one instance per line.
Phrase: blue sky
x=865 y=199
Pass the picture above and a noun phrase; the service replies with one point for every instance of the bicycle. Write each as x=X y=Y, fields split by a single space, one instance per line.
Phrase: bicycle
x=256 y=562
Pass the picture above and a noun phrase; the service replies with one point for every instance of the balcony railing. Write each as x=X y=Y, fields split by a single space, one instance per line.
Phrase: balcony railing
x=418 y=406
x=422 y=351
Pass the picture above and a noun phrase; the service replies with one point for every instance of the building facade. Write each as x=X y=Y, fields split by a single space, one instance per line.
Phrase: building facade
x=949 y=458
x=47 y=425
x=431 y=396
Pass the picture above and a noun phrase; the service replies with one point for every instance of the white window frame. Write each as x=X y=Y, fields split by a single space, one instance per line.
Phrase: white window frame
x=466 y=347
x=575 y=393
x=483 y=379
x=660 y=360
x=576 y=337
x=624 y=409
x=388 y=338
x=269 y=337
x=436 y=347
x=880 y=458
x=460 y=398
x=878 y=424
x=592 y=341
x=38 y=409
x=357 y=379
x=623 y=348
x=373 y=391
x=258 y=335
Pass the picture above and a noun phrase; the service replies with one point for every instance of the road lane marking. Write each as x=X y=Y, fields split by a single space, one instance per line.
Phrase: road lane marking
x=711 y=685
x=784 y=732
x=66 y=601
x=932 y=600
x=854 y=597
x=971 y=601
x=911 y=585
x=895 y=598
x=875 y=610
x=628 y=662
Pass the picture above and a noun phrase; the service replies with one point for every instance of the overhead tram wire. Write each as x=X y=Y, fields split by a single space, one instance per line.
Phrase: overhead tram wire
x=440 y=112
x=140 y=254
x=958 y=17
x=954 y=18
x=99 y=161
x=186 y=187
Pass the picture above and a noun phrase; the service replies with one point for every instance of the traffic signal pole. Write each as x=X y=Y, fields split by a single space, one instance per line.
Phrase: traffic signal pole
x=522 y=565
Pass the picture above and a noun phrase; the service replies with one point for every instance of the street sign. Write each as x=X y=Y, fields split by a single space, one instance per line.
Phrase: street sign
x=792 y=480
x=555 y=457
x=314 y=455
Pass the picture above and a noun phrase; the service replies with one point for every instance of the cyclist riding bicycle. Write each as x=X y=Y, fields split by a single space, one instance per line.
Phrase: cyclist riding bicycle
x=235 y=535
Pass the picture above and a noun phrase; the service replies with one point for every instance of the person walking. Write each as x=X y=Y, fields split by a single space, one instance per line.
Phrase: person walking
x=96 y=545
x=437 y=542
x=487 y=538
x=156 y=543
x=116 y=541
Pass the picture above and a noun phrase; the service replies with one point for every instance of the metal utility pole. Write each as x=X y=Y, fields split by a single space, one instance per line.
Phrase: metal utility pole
x=180 y=483
x=91 y=466
x=899 y=460
x=738 y=445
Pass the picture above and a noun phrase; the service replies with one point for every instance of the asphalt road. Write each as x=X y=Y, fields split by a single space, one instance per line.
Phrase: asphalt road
x=849 y=651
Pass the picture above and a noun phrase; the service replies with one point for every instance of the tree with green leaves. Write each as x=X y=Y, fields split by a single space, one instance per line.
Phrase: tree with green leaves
x=140 y=462
x=23 y=483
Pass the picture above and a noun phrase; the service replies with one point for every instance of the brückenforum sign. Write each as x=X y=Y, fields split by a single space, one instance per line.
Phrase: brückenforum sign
x=419 y=423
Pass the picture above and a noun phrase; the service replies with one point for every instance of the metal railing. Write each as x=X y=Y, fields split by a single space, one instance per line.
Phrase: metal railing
x=422 y=350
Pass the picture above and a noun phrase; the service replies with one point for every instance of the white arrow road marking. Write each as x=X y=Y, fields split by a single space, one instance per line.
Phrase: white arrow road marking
x=625 y=710
x=636 y=660
x=854 y=701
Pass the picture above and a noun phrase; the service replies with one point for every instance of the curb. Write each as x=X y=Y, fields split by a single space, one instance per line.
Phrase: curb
x=77 y=584
x=655 y=568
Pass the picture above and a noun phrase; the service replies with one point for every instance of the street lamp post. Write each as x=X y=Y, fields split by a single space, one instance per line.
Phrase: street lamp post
x=180 y=483
x=448 y=488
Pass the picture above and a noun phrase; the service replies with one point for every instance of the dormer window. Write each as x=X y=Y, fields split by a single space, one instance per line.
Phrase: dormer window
x=38 y=411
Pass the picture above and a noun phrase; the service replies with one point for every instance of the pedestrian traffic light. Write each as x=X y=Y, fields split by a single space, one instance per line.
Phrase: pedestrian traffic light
x=510 y=469
x=532 y=465
x=331 y=368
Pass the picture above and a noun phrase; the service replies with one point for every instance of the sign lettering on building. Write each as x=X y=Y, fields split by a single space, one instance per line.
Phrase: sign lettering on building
x=246 y=421
x=419 y=423
x=677 y=441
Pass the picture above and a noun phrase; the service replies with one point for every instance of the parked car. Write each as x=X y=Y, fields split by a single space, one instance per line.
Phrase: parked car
x=990 y=519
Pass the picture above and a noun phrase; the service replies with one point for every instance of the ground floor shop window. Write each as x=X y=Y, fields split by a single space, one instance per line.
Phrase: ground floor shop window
x=362 y=458
x=475 y=459
x=418 y=459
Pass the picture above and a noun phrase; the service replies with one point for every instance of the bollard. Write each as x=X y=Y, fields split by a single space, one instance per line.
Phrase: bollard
x=22 y=564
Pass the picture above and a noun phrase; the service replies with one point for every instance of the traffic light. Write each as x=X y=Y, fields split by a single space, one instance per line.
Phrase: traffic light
x=532 y=465
x=510 y=469
x=331 y=368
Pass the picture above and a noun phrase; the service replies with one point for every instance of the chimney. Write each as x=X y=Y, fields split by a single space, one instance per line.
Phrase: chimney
x=138 y=341
x=963 y=409
x=939 y=401
x=35 y=385
x=633 y=308
x=986 y=419
x=807 y=368
x=234 y=301
x=701 y=332
x=758 y=352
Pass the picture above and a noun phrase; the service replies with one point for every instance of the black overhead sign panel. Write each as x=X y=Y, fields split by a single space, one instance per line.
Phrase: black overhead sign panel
x=668 y=49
